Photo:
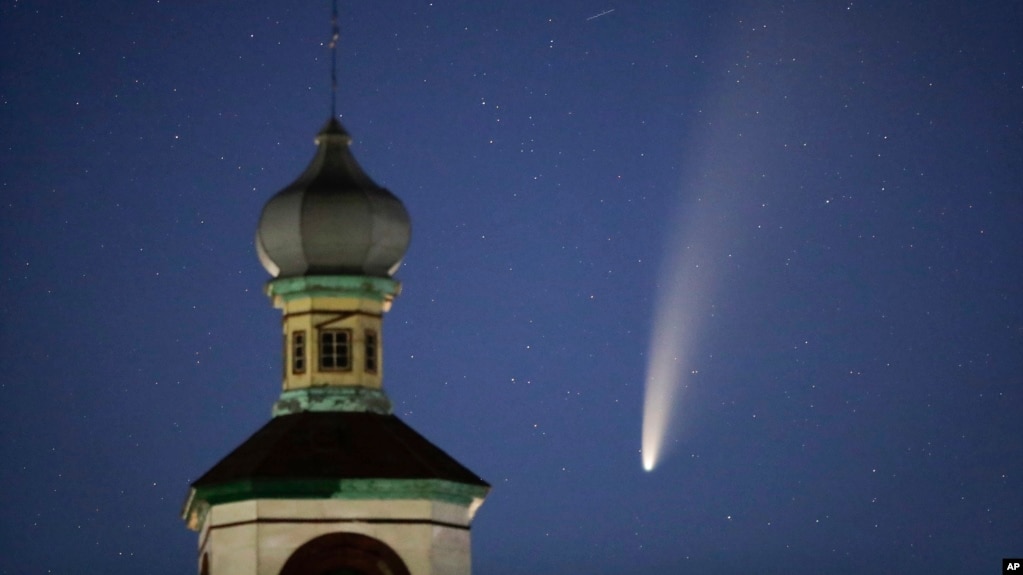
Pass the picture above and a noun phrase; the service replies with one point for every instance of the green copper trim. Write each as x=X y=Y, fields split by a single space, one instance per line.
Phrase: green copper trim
x=367 y=287
x=202 y=498
x=353 y=489
x=433 y=489
x=333 y=398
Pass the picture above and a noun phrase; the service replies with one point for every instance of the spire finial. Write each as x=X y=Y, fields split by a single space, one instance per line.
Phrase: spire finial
x=335 y=34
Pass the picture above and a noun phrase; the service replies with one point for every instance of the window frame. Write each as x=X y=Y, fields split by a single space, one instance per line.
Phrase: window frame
x=299 y=349
x=321 y=355
x=371 y=347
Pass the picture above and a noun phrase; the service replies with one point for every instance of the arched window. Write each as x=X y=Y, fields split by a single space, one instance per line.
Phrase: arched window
x=344 y=554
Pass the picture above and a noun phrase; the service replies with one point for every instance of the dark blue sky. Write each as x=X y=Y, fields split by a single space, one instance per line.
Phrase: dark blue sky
x=851 y=173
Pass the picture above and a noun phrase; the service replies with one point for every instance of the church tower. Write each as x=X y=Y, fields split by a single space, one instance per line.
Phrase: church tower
x=335 y=483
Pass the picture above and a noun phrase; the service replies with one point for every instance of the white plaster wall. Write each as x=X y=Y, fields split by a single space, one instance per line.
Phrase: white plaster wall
x=239 y=544
x=451 y=554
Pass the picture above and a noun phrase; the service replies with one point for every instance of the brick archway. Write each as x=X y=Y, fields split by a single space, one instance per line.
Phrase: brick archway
x=344 y=553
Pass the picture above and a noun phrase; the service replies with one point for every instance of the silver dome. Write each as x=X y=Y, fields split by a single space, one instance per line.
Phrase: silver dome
x=333 y=220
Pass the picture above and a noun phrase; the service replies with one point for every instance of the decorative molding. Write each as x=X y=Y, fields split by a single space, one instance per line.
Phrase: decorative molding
x=333 y=398
x=364 y=287
x=335 y=520
x=201 y=499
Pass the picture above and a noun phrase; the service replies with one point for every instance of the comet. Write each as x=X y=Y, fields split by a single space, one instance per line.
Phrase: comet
x=687 y=277
x=702 y=249
x=669 y=363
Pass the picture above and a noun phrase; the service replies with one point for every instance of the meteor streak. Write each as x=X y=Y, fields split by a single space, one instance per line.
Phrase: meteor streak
x=604 y=13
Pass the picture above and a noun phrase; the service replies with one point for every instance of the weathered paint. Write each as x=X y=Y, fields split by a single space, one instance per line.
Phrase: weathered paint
x=204 y=498
x=332 y=399
x=355 y=304
x=359 y=287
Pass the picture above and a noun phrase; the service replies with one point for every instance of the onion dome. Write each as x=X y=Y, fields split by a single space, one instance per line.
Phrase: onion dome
x=333 y=220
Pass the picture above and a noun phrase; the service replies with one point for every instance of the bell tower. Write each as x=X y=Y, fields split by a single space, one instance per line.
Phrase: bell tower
x=334 y=482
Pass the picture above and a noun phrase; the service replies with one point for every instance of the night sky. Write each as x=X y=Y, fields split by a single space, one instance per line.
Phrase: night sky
x=842 y=182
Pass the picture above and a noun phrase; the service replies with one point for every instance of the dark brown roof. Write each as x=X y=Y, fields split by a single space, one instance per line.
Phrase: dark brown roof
x=335 y=446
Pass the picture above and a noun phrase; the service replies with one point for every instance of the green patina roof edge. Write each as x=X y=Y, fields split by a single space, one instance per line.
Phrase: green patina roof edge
x=332 y=399
x=369 y=287
x=202 y=498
